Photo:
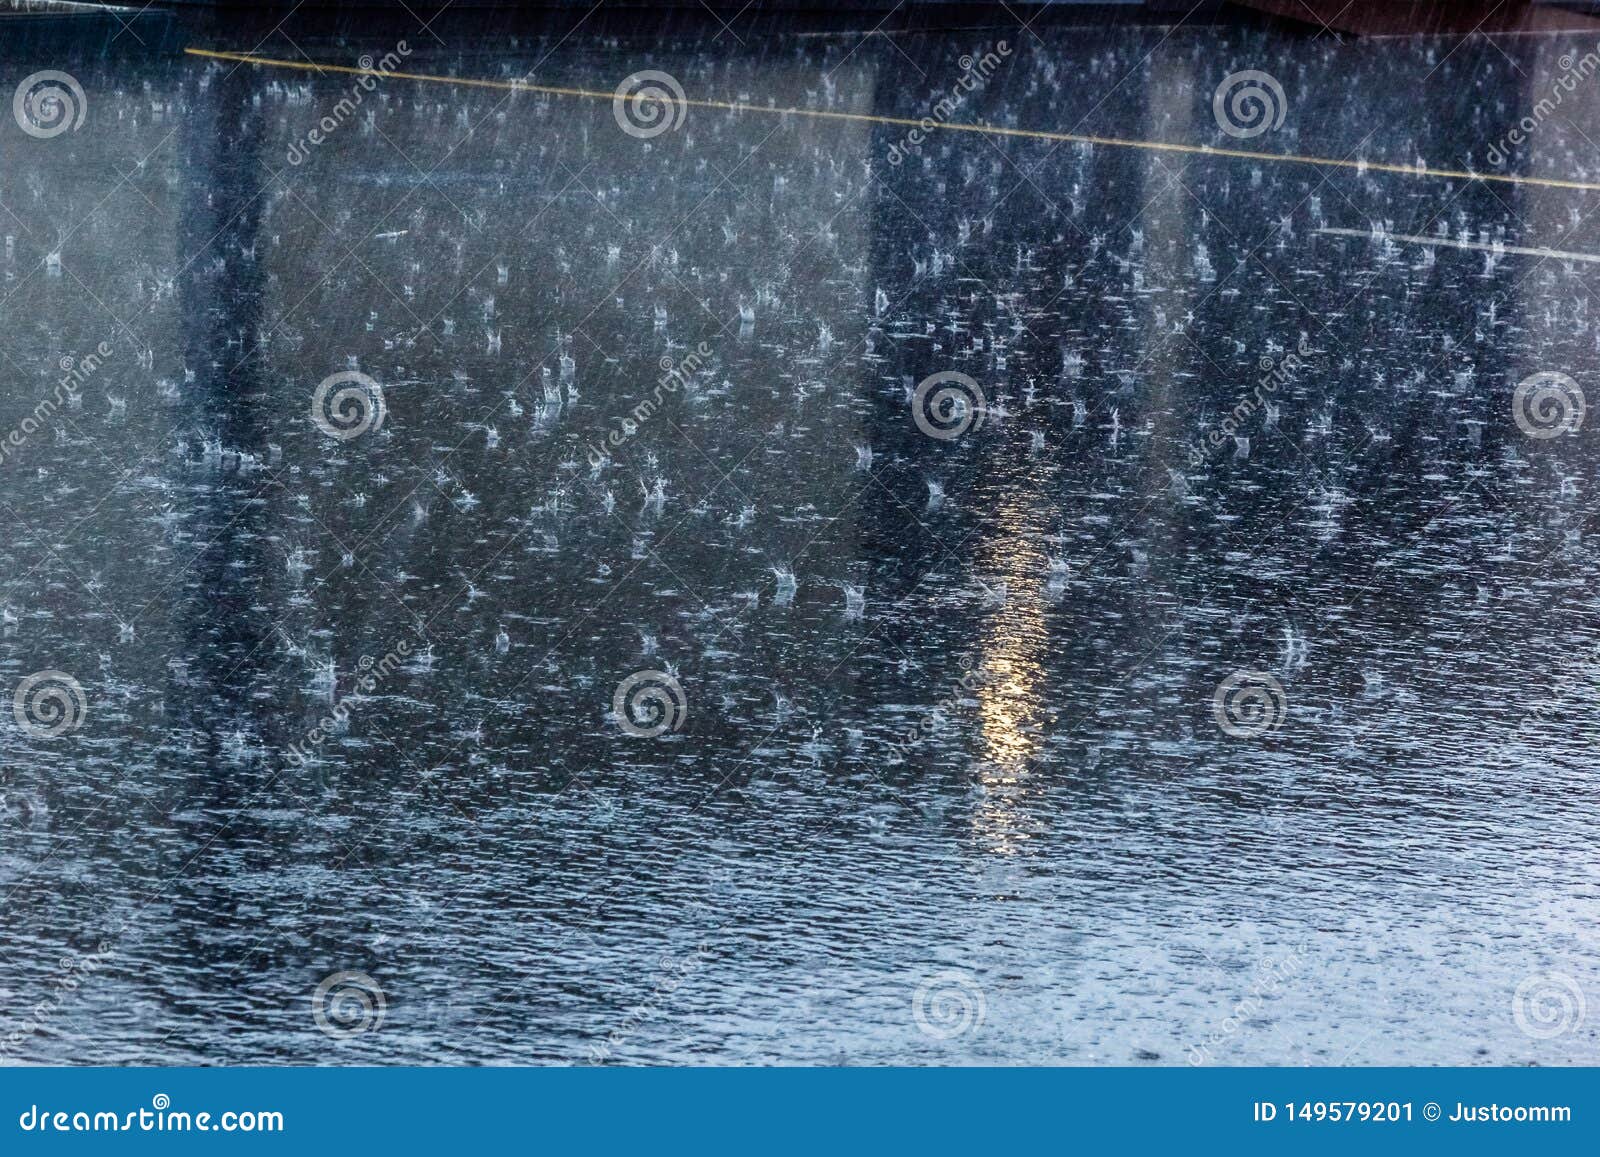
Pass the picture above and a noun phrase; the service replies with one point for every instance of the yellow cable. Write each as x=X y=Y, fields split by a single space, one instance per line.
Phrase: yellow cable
x=904 y=122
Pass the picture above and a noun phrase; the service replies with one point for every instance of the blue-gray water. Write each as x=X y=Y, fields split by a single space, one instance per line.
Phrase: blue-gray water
x=1071 y=861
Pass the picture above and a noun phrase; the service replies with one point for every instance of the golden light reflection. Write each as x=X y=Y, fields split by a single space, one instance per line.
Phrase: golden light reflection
x=1011 y=712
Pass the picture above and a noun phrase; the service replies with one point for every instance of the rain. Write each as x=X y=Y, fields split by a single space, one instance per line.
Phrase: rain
x=785 y=545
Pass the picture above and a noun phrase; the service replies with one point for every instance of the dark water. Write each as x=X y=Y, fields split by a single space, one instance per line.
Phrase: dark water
x=957 y=794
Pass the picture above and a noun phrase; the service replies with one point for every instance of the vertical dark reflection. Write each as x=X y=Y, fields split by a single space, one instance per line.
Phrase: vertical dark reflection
x=224 y=724
x=221 y=292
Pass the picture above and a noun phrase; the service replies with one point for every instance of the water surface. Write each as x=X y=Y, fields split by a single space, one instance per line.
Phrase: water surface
x=957 y=793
